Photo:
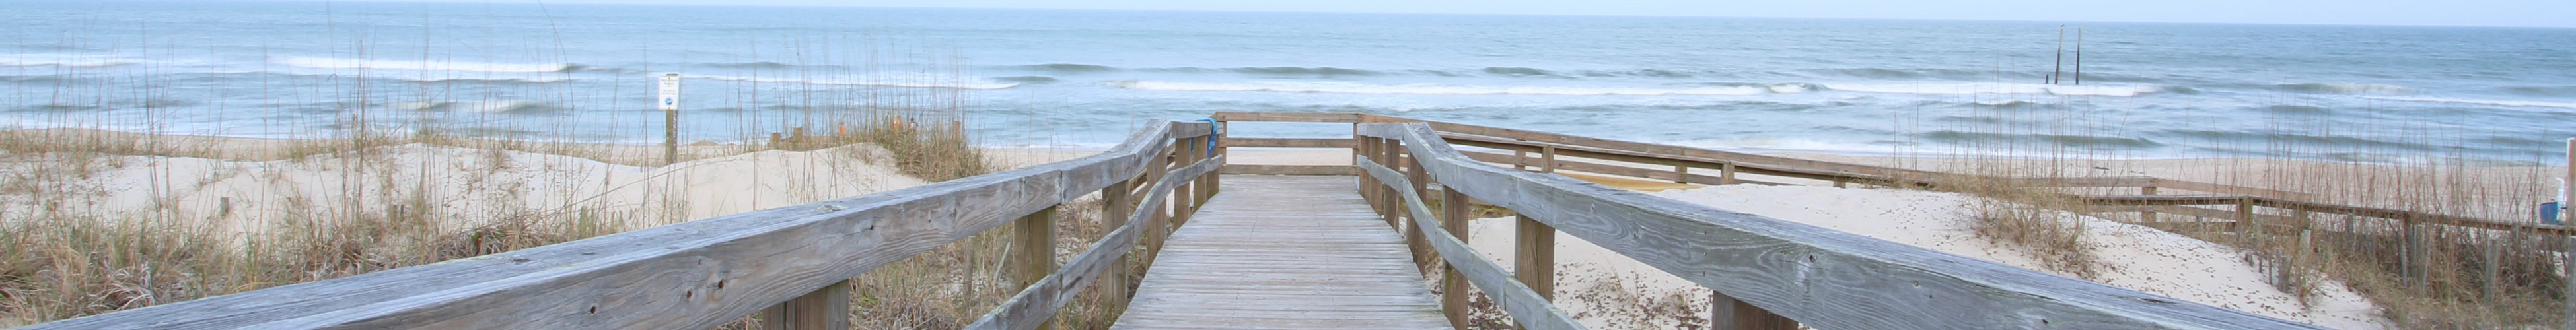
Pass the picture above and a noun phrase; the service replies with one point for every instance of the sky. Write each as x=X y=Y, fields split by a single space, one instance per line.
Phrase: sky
x=2530 y=13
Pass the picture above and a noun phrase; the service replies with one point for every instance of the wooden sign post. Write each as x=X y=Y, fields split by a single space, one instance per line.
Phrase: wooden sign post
x=670 y=103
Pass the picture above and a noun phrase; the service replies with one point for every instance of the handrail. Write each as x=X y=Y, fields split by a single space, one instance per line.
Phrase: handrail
x=1823 y=277
x=692 y=275
x=1032 y=306
x=1844 y=172
x=1526 y=307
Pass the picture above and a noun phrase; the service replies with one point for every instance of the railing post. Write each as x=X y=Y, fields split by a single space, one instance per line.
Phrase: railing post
x=1534 y=260
x=1547 y=159
x=1185 y=196
x=1154 y=233
x=1413 y=239
x=1453 y=286
x=1726 y=313
x=1726 y=173
x=1033 y=250
x=1114 y=209
x=2147 y=213
x=1517 y=157
x=1681 y=173
x=824 y=309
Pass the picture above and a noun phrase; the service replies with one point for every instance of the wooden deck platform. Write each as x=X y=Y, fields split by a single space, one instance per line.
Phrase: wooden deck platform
x=1284 y=252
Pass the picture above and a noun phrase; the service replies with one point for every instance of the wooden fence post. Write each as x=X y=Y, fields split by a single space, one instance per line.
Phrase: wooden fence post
x=2147 y=213
x=1517 y=156
x=1726 y=173
x=1453 y=285
x=1726 y=313
x=1547 y=159
x=1534 y=260
x=1681 y=173
x=1033 y=250
x=1184 y=197
x=1114 y=209
x=824 y=309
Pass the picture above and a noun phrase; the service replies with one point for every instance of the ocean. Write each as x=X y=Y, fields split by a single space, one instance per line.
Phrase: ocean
x=1083 y=78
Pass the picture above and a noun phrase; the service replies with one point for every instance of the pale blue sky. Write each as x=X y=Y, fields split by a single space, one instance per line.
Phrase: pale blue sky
x=2546 y=13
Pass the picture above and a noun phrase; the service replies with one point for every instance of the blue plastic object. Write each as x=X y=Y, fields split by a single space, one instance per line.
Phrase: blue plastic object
x=2549 y=213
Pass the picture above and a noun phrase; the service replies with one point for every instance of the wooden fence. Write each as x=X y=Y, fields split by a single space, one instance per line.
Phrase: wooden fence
x=1766 y=273
x=789 y=264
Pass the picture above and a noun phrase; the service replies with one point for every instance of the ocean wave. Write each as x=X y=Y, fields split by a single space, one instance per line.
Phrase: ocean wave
x=1427 y=89
x=2084 y=141
x=415 y=65
x=479 y=107
x=939 y=82
x=2037 y=89
x=1065 y=67
x=63 y=61
x=2543 y=90
x=1027 y=79
x=2507 y=103
x=1519 y=71
x=2343 y=89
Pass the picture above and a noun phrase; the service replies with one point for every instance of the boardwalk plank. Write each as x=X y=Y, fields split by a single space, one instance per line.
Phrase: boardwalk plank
x=1284 y=252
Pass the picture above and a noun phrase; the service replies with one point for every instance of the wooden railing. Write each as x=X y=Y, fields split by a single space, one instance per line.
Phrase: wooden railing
x=788 y=264
x=2244 y=209
x=1766 y=273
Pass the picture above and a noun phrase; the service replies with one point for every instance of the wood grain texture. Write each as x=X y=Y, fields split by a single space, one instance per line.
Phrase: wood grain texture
x=1286 y=117
x=1534 y=256
x=1287 y=143
x=692 y=275
x=1526 y=306
x=1830 y=279
x=1244 y=169
x=1625 y=171
x=825 y=309
x=1283 y=252
x=1035 y=305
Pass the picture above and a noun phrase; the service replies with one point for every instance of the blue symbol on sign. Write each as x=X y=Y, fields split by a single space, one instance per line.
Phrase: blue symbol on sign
x=666 y=101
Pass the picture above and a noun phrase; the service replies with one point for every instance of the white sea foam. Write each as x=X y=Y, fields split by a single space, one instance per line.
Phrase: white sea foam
x=2348 y=89
x=416 y=65
x=1426 y=89
x=895 y=80
x=2037 y=89
x=2508 y=103
x=481 y=107
x=62 y=61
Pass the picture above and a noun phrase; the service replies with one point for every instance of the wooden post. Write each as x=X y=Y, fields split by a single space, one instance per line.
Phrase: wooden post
x=670 y=104
x=1390 y=205
x=2407 y=251
x=2147 y=213
x=1184 y=197
x=1726 y=173
x=2566 y=195
x=1212 y=177
x=1547 y=159
x=1681 y=173
x=1155 y=228
x=1453 y=292
x=2245 y=224
x=1033 y=249
x=1114 y=209
x=1517 y=156
x=1534 y=260
x=1726 y=313
x=824 y=309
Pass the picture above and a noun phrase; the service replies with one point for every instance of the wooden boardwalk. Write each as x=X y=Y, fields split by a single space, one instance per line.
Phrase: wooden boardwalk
x=1284 y=252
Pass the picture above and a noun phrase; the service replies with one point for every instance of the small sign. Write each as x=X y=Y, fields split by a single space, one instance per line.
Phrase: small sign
x=670 y=100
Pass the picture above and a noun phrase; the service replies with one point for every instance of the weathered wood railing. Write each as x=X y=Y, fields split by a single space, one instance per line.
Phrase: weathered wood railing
x=2241 y=209
x=1765 y=272
x=789 y=264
